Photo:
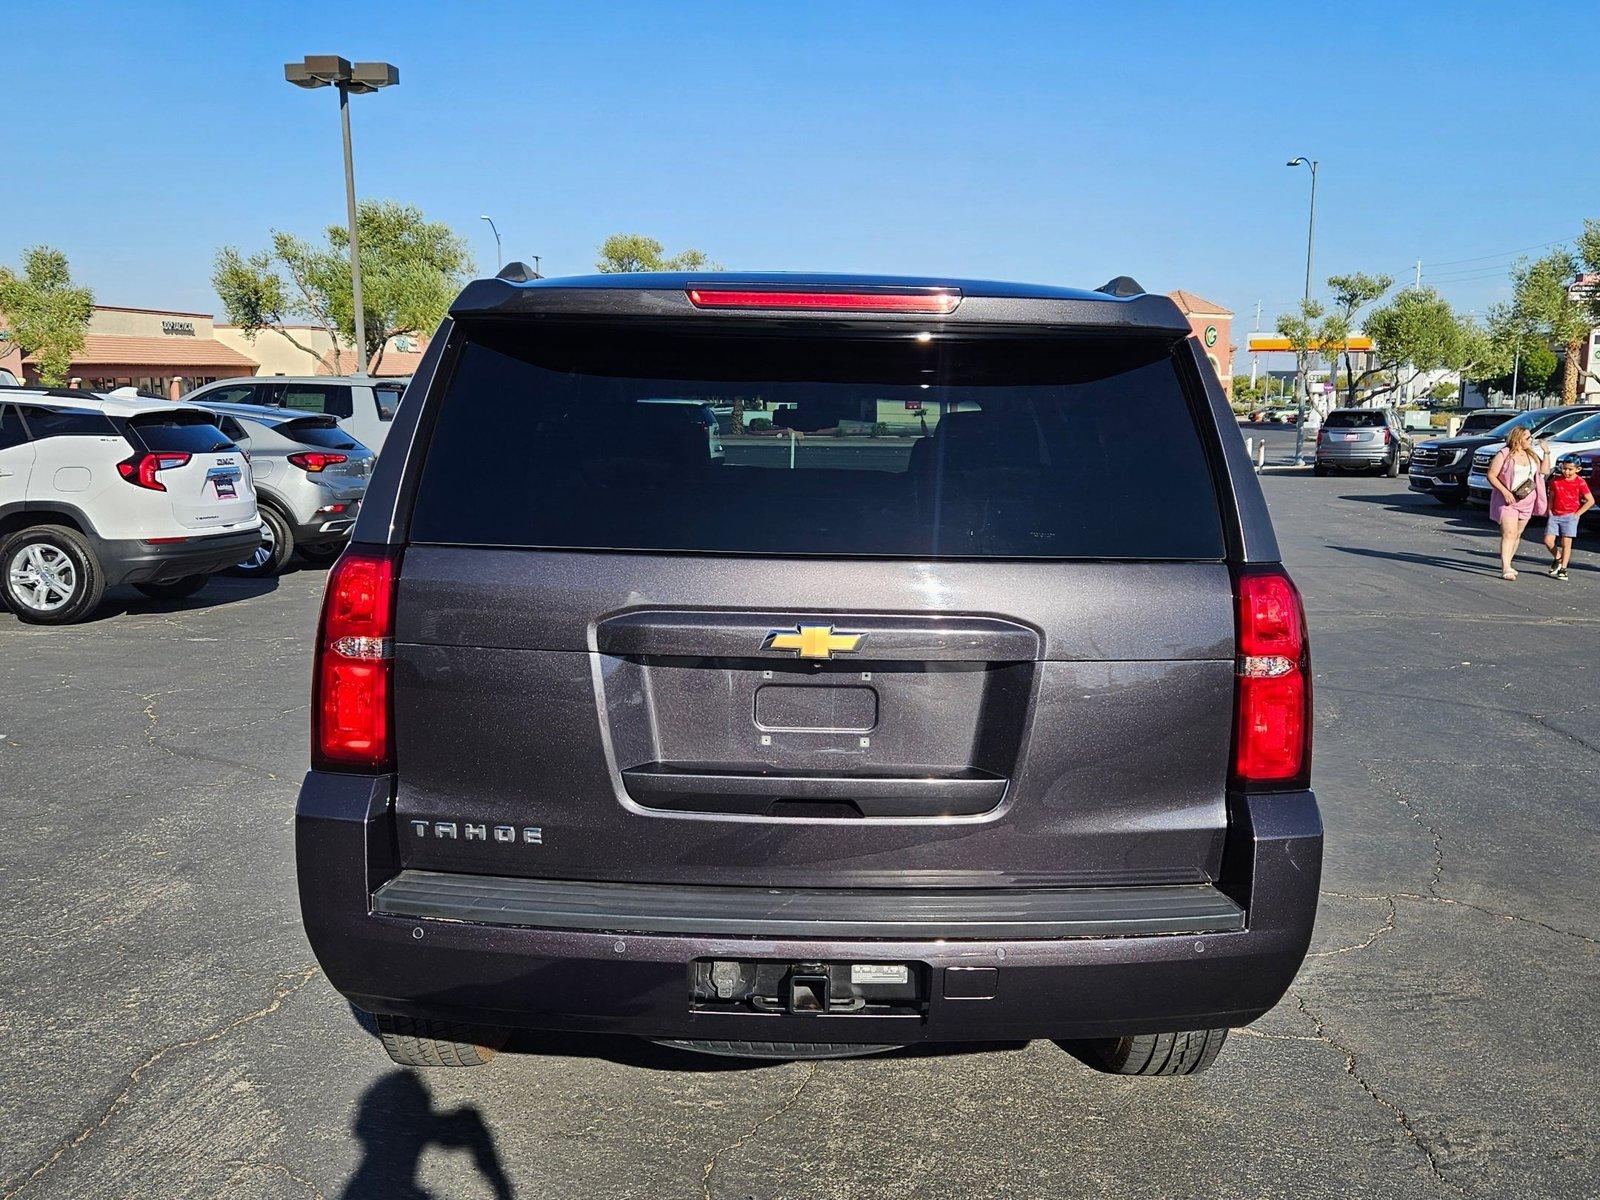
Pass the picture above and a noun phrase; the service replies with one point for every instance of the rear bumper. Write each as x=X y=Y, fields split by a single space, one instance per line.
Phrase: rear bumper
x=639 y=982
x=1353 y=458
x=131 y=561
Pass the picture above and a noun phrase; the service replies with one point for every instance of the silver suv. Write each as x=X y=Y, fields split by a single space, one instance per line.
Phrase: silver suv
x=1363 y=439
x=363 y=406
x=310 y=476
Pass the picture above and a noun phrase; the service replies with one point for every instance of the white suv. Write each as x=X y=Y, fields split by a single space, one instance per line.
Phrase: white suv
x=97 y=491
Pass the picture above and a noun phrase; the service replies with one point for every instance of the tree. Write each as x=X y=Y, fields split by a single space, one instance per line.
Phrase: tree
x=624 y=252
x=1351 y=293
x=43 y=313
x=1445 y=389
x=1418 y=331
x=1547 y=308
x=1302 y=328
x=411 y=269
x=1536 y=371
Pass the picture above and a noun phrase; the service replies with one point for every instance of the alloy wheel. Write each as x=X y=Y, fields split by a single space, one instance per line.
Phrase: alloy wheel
x=269 y=543
x=43 y=577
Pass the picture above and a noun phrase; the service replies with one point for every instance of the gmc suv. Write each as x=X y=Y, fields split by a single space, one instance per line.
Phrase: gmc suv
x=920 y=719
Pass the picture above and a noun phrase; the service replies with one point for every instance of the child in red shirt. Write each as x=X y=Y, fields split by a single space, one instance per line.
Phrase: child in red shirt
x=1570 y=498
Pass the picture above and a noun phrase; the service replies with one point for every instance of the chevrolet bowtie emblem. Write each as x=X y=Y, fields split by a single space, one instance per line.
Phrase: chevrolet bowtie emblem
x=813 y=641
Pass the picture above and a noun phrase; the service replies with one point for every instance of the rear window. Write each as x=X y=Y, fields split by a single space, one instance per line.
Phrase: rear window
x=1488 y=422
x=1366 y=419
x=333 y=399
x=324 y=434
x=1005 y=447
x=192 y=431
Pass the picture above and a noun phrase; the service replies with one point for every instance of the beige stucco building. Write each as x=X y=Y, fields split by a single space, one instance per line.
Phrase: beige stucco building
x=278 y=354
x=159 y=351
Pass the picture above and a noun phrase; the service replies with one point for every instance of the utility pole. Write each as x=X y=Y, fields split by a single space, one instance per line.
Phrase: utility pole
x=1419 y=273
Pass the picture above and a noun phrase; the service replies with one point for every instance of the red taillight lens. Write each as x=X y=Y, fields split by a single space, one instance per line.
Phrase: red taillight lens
x=937 y=301
x=140 y=470
x=1272 y=719
x=354 y=661
x=1388 y=438
x=315 y=460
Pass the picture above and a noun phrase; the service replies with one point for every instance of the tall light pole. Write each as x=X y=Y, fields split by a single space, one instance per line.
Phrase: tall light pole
x=499 y=259
x=1311 y=237
x=325 y=70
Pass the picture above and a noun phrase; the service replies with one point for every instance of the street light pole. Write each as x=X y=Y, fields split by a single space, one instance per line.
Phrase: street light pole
x=358 y=309
x=1311 y=239
x=324 y=70
x=499 y=258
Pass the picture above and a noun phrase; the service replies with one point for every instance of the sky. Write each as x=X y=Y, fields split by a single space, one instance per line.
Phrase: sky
x=1055 y=142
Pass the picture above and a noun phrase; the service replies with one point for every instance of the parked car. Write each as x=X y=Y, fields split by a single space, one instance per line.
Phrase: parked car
x=309 y=476
x=801 y=757
x=1484 y=419
x=1440 y=466
x=1362 y=439
x=1577 y=437
x=98 y=491
x=364 y=407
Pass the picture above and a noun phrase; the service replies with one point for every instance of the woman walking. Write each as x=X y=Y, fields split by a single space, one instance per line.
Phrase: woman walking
x=1516 y=476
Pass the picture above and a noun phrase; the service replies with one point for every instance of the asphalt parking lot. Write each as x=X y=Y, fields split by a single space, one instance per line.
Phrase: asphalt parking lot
x=164 y=1030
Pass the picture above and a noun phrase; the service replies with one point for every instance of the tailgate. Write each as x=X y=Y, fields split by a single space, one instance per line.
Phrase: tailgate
x=205 y=476
x=919 y=622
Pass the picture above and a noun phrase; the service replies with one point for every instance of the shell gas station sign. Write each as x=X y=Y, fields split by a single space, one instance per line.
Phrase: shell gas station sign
x=1273 y=344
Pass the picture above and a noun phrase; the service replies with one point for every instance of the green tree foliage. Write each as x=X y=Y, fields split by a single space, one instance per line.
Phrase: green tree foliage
x=43 y=313
x=1537 y=371
x=1545 y=309
x=1419 y=331
x=411 y=269
x=1445 y=389
x=624 y=252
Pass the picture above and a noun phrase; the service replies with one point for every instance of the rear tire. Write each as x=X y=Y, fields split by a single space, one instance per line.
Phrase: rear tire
x=62 y=563
x=418 y=1043
x=1318 y=469
x=174 y=589
x=277 y=544
x=1392 y=468
x=1155 y=1053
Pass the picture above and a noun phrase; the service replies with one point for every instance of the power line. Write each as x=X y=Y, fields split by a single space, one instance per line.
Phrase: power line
x=1451 y=262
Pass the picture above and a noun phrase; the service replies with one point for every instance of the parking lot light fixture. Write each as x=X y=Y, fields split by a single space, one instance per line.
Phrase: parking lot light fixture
x=499 y=259
x=329 y=70
x=1301 y=160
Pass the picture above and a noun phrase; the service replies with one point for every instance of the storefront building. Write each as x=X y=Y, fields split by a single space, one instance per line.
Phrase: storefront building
x=1213 y=325
x=308 y=350
x=159 y=352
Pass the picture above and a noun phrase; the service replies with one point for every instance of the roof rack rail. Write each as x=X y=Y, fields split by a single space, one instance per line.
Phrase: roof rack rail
x=60 y=392
x=1122 y=287
x=518 y=272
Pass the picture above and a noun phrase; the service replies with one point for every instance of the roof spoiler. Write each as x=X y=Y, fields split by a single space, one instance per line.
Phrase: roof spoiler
x=518 y=272
x=1122 y=287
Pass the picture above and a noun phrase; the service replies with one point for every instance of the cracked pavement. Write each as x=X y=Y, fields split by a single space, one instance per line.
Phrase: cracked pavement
x=165 y=1032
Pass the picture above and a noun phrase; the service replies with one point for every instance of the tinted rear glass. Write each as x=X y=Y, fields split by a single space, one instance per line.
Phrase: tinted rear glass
x=67 y=422
x=1354 y=420
x=192 y=432
x=323 y=434
x=1003 y=447
x=1490 y=422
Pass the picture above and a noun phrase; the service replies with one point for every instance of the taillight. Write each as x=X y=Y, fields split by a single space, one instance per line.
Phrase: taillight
x=938 y=301
x=350 y=699
x=315 y=460
x=1388 y=437
x=1272 y=703
x=140 y=470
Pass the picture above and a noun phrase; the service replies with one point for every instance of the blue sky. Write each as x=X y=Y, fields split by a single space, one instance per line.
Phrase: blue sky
x=1046 y=142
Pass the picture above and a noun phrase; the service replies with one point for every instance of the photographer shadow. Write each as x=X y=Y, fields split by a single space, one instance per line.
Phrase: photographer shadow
x=396 y=1122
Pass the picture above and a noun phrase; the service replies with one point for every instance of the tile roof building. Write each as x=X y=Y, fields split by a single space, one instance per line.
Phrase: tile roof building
x=158 y=351
x=1213 y=325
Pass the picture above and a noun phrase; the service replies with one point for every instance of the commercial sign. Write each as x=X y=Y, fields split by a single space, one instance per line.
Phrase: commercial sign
x=178 y=328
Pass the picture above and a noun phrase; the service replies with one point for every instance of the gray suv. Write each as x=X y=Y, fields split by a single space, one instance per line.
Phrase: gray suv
x=1362 y=439
x=921 y=720
x=309 y=476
